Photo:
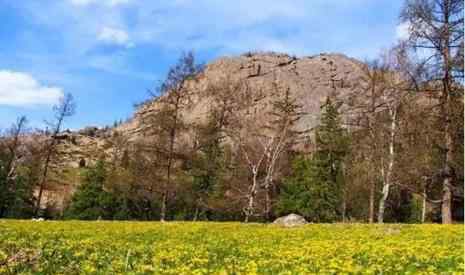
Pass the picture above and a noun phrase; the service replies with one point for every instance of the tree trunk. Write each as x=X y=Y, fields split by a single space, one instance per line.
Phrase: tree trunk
x=446 y=210
x=344 y=206
x=42 y=182
x=371 y=213
x=387 y=177
x=163 y=206
x=382 y=202
x=196 y=214
x=344 y=193
x=172 y=136
x=267 y=203
x=50 y=150
x=148 y=213
x=423 y=207
x=251 y=197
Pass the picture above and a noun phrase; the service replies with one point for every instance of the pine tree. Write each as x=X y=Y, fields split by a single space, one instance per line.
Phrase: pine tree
x=315 y=188
x=91 y=201
x=283 y=135
x=167 y=125
x=208 y=161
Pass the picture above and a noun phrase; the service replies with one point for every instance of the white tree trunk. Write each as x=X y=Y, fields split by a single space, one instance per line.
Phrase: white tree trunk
x=423 y=206
x=387 y=176
x=251 y=196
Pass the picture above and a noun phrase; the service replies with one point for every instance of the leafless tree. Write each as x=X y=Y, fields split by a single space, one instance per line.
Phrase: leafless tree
x=376 y=112
x=13 y=143
x=166 y=123
x=11 y=154
x=436 y=31
x=279 y=136
x=64 y=109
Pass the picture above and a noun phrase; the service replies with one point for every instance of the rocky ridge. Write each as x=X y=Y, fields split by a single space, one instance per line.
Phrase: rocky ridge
x=310 y=80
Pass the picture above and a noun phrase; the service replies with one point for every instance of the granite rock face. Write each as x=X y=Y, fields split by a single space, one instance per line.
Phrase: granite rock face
x=310 y=80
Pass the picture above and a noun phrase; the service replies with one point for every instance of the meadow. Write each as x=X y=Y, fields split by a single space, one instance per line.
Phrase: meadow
x=101 y=247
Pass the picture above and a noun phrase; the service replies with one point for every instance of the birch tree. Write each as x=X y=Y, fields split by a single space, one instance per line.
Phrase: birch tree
x=252 y=146
x=282 y=136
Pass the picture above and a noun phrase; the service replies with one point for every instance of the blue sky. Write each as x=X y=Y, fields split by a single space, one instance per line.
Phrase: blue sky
x=108 y=53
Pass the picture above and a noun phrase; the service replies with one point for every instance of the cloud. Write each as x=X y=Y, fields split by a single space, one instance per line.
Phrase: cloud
x=110 y=3
x=115 y=36
x=21 y=89
x=403 y=31
x=214 y=27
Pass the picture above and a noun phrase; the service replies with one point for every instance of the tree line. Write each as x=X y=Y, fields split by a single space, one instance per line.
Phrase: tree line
x=390 y=152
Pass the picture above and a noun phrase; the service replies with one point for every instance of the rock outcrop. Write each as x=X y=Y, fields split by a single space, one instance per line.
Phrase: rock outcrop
x=310 y=80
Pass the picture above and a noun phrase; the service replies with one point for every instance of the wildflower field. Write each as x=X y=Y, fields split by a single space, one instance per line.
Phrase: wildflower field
x=77 y=247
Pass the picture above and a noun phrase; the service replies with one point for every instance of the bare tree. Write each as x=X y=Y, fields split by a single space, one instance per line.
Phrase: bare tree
x=209 y=145
x=436 y=29
x=261 y=138
x=10 y=156
x=245 y=132
x=281 y=136
x=377 y=113
x=392 y=95
x=64 y=109
x=366 y=110
x=13 y=145
x=166 y=122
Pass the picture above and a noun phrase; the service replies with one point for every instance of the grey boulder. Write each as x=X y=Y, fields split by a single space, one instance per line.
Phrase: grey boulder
x=290 y=220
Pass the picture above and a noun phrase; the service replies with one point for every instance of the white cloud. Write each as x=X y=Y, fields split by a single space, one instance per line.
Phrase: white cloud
x=117 y=2
x=227 y=27
x=82 y=2
x=110 y=3
x=115 y=36
x=21 y=89
x=403 y=31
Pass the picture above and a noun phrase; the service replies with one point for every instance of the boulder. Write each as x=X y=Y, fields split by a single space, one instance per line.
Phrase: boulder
x=290 y=220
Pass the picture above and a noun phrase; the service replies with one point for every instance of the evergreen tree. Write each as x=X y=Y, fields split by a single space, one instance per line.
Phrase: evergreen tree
x=315 y=188
x=207 y=163
x=167 y=125
x=15 y=193
x=91 y=201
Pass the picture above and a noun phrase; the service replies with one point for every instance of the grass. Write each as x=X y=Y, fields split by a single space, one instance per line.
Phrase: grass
x=100 y=247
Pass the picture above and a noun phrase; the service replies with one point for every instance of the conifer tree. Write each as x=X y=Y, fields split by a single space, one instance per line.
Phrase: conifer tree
x=167 y=123
x=91 y=201
x=315 y=188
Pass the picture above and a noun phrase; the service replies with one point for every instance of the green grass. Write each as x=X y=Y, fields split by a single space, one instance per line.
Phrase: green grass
x=76 y=247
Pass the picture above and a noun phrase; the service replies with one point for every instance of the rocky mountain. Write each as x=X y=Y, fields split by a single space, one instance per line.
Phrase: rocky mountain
x=310 y=80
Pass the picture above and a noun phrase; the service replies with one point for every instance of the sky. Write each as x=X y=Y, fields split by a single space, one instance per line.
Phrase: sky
x=110 y=53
